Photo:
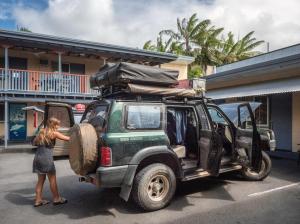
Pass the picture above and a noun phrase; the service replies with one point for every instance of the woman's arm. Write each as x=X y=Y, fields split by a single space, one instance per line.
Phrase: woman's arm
x=61 y=136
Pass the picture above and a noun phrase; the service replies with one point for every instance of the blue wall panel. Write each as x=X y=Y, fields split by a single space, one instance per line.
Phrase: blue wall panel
x=281 y=118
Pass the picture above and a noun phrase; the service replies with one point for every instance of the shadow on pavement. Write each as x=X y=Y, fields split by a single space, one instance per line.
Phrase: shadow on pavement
x=82 y=202
x=86 y=201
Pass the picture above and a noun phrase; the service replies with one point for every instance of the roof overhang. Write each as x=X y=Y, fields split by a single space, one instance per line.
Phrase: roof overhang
x=279 y=64
x=258 y=89
x=41 y=41
x=183 y=60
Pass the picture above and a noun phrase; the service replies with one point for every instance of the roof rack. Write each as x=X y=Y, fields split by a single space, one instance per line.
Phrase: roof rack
x=127 y=96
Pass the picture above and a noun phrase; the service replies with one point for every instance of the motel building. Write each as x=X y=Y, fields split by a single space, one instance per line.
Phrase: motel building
x=274 y=80
x=36 y=68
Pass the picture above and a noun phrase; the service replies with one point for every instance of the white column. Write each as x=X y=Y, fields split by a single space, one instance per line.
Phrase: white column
x=59 y=71
x=6 y=66
x=5 y=123
x=59 y=62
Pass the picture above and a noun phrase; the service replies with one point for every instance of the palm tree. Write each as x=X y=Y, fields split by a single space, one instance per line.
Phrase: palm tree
x=232 y=51
x=176 y=48
x=203 y=41
x=227 y=52
x=187 y=29
x=246 y=46
x=207 y=43
x=23 y=29
x=164 y=45
x=149 y=46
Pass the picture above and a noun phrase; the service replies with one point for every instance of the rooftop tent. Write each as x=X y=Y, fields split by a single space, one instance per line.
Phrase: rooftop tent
x=123 y=73
x=162 y=91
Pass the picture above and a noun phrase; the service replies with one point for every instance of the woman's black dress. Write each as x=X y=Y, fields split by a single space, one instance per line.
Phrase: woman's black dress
x=43 y=160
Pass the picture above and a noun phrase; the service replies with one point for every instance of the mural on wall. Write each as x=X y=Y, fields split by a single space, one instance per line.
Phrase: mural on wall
x=17 y=121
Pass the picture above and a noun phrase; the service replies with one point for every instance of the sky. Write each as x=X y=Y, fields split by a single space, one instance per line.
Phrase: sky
x=133 y=22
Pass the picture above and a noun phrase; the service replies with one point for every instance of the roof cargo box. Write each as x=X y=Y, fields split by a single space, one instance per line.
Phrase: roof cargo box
x=123 y=73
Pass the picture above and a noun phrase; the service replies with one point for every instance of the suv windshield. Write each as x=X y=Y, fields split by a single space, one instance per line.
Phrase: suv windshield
x=96 y=116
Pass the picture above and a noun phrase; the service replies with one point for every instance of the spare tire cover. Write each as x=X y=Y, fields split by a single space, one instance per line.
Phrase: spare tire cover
x=83 y=153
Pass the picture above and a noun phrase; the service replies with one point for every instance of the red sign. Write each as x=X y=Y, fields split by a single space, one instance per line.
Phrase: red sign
x=80 y=107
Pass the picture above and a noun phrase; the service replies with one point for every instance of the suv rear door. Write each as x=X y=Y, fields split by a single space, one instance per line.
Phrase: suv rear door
x=64 y=113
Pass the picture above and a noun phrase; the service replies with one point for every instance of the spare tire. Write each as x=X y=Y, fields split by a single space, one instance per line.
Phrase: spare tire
x=83 y=153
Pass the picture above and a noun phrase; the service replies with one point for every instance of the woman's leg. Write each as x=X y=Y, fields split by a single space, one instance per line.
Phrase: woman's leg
x=53 y=186
x=39 y=187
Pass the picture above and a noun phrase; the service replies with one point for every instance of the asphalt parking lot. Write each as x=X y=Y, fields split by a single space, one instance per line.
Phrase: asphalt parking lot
x=226 y=199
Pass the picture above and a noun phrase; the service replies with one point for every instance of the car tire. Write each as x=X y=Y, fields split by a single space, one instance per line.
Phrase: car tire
x=263 y=173
x=154 y=187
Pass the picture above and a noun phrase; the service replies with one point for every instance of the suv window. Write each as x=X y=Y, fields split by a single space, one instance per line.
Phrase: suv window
x=245 y=121
x=96 y=116
x=143 y=117
x=60 y=113
x=216 y=116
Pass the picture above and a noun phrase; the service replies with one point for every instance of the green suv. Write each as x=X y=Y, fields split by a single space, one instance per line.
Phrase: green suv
x=144 y=134
x=145 y=146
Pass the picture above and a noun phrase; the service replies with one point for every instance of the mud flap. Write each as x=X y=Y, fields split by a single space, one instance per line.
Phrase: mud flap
x=128 y=182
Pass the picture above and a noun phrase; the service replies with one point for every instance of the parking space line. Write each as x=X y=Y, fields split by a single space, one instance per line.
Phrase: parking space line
x=274 y=189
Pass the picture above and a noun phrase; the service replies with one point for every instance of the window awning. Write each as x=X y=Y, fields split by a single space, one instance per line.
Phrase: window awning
x=264 y=88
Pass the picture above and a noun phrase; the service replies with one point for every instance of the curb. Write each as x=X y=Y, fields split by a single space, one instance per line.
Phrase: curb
x=17 y=150
x=284 y=155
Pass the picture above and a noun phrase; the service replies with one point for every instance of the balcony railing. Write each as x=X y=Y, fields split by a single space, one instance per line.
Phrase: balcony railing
x=44 y=82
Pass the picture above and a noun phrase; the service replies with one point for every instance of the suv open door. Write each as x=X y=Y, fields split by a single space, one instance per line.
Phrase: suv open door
x=64 y=113
x=247 y=136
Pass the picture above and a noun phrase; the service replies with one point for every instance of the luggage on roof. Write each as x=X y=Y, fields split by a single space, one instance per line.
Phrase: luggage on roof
x=123 y=73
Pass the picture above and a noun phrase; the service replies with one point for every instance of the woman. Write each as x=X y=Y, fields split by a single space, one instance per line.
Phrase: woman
x=43 y=161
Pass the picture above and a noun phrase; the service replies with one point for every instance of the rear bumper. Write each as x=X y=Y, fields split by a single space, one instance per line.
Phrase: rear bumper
x=110 y=176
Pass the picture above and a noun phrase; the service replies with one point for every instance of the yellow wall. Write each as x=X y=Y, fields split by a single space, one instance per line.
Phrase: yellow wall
x=182 y=68
x=296 y=122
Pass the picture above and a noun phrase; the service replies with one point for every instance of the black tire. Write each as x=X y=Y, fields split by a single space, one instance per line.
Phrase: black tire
x=263 y=173
x=145 y=183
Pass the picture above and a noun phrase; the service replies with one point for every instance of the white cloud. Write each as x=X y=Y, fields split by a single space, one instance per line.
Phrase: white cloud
x=131 y=23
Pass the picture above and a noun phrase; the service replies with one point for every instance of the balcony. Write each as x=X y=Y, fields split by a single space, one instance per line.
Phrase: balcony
x=40 y=82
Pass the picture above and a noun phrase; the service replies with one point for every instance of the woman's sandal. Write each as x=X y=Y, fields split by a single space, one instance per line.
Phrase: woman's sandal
x=41 y=203
x=60 y=202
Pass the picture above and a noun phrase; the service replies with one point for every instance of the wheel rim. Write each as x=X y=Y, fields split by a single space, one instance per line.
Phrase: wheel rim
x=263 y=167
x=158 y=187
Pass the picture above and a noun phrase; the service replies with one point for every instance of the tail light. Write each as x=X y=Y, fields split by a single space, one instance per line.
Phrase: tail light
x=105 y=159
